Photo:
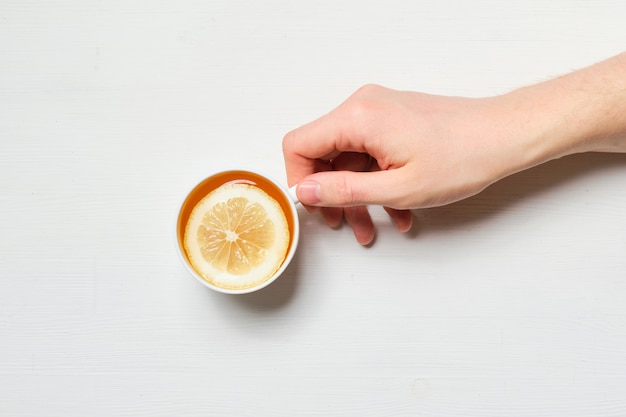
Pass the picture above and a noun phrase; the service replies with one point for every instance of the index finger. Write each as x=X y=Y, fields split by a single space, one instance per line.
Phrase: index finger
x=321 y=139
x=302 y=147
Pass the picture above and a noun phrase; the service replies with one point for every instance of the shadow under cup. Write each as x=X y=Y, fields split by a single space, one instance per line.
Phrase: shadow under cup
x=282 y=197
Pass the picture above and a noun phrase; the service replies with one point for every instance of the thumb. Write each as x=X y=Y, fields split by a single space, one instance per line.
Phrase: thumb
x=349 y=188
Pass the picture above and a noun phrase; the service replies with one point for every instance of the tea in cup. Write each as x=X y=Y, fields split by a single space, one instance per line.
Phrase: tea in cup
x=237 y=231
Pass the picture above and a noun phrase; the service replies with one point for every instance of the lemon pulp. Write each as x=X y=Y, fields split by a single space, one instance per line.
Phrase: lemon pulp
x=237 y=236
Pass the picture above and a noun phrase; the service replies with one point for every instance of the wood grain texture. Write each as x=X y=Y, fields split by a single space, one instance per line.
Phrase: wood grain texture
x=510 y=303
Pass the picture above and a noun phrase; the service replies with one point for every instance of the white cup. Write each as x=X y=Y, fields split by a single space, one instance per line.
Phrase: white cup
x=286 y=198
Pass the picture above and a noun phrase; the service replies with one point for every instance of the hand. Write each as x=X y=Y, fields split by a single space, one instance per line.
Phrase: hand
x=401 y=150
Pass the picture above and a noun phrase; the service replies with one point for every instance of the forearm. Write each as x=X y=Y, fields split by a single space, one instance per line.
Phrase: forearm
x=583 y=111
x=605 y=120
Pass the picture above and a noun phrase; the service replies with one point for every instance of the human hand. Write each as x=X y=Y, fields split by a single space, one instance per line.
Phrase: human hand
x=401 y=150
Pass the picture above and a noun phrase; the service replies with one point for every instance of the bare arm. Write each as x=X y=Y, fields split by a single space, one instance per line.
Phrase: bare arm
x=579 y=112
x=405 y=150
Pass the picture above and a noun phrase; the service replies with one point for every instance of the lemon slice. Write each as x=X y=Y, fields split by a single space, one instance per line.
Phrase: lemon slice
x=237 y=236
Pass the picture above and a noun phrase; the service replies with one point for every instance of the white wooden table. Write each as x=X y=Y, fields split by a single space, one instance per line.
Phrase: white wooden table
x=512 y=303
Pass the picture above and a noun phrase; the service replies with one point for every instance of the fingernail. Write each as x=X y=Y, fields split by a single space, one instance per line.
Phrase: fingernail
x=309 y=192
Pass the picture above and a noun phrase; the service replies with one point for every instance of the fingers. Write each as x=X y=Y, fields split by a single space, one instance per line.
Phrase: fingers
x=333 y=216
x=403 y=219
x=348 y=189
x=359 y=219
x=331 y=161
x=304 y=146
x=323 y=139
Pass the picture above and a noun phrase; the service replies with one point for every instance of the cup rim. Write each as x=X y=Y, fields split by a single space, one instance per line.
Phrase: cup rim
x=289 y=197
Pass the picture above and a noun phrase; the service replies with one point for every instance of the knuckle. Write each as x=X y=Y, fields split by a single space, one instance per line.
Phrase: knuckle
x=364 y=103
x=368 y=90
x=346 y=193
x=289 y=141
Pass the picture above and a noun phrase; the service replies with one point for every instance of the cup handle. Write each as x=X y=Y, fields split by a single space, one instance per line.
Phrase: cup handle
x=293 y=195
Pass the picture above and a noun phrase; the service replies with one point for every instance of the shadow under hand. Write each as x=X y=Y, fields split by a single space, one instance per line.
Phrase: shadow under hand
x=513 y=190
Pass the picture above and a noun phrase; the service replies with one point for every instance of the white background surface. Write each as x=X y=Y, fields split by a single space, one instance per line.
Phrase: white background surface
x=511 y=303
